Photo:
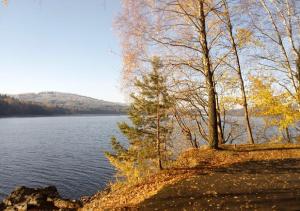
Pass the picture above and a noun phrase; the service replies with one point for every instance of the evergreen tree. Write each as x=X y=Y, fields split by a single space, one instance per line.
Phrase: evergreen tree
x=150 y=128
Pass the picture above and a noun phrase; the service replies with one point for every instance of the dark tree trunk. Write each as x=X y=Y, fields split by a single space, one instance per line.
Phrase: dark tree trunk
x=212 y=110
x=220 y=129
x=288 y=135
x=158 y=141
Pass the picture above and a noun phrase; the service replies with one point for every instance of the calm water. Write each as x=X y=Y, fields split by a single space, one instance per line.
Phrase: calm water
x=68 y=152
x=63 y=151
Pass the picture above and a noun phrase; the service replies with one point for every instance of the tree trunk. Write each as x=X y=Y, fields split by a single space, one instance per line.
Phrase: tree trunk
x=212 y=110
x=246 y=114
x=212 y=116
x=189 y=137
x=288 y=135
x=298 y=77
x=239 y=72
x=186 y=131
x=158 y=134
x=220 y=129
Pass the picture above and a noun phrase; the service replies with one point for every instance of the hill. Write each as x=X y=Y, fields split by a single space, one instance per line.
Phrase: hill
x=75 y=104
x=10 y=106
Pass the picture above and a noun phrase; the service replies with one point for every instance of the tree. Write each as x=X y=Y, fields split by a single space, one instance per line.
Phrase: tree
x=277 y=24
x=277 y=109
x=184 y=33
x=150 y=131
x=237 y=41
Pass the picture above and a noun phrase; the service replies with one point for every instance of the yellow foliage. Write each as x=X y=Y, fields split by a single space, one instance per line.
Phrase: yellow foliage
x=228 y=102
x=278 y=110
x=125 y=169
x=244 y=37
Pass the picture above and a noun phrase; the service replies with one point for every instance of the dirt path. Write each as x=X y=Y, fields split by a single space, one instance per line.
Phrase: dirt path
x=260 y=185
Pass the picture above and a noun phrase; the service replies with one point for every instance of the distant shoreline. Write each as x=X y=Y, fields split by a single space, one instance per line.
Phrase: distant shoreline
x=56 y=104
x=61 y=115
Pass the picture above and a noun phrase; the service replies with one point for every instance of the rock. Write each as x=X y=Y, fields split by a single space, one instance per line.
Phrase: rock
x=32 y=196
x=67 y=204
x=21 y=207
x=85 y=199
x=2 y=206
x=48 y=198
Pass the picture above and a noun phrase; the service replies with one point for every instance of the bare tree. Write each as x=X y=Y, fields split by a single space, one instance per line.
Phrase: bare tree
x=278 y=27
x=184 y=33
x=235 y=43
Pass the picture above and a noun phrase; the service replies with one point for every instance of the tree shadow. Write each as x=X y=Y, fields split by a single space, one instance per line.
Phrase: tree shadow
x=272 y=184
x=277 y=166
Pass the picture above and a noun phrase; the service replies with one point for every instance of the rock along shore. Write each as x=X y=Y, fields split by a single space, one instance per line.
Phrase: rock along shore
x=48 y=198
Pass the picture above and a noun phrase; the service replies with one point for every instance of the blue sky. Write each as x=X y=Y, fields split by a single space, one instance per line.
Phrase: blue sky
x=60 y=45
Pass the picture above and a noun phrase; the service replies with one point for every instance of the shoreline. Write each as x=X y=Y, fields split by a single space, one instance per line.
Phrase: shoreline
x=63 y=115
x=237 y=176
x=205 y=175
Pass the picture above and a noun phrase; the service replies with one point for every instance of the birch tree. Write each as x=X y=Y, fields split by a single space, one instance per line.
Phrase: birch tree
x=238 y=37
x=278 y=26
x=184 y=33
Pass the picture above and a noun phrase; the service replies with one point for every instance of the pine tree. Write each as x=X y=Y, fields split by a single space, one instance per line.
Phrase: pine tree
x=150 y=128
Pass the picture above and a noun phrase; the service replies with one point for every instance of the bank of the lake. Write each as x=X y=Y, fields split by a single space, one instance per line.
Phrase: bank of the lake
x=264 y=177
x=235 y=177
x=67 y=152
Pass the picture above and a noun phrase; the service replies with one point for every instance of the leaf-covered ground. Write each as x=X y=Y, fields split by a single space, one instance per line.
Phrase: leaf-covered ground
x=263 y=185
x=262 y=177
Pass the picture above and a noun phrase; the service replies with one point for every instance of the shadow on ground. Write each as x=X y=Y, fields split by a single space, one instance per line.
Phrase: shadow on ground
x=261 y=185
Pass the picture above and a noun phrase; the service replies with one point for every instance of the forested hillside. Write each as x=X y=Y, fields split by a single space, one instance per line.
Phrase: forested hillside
x=73 y=103
x=10 y=106
x=55 y=103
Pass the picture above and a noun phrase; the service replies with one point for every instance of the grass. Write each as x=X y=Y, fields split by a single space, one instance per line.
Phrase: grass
x=188 y=164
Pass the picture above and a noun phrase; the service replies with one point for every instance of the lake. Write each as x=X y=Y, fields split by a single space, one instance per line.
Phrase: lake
x=68 y=151
x=63 y=151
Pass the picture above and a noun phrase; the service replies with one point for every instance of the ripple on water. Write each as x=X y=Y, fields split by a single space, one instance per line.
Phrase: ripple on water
x=63 y=151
